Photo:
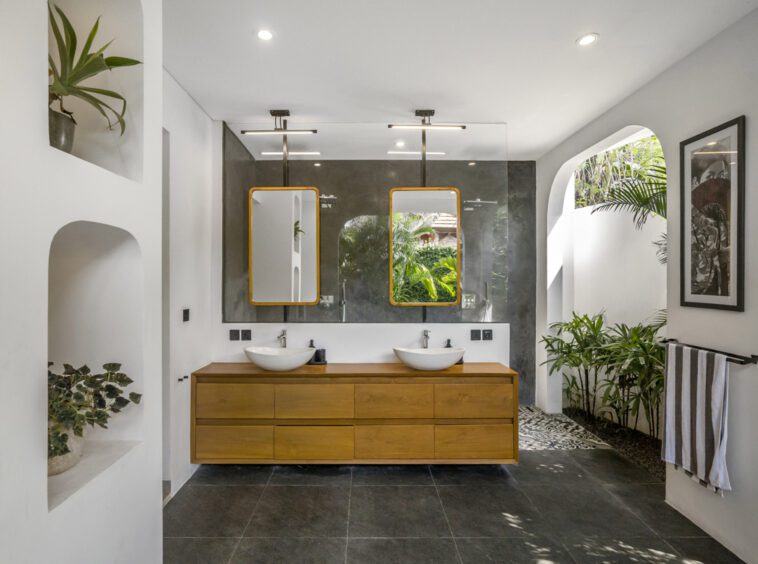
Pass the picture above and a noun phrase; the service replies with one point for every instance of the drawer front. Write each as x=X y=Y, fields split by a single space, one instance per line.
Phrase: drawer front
x=394 y=401
x=473 y=441
x=234 y=401
x=234 y=442
x=315 y=442
x=473 y=401
x=394 y=441
x=314 y=401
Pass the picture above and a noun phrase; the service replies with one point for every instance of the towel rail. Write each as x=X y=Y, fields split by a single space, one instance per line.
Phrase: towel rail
x=731 y=357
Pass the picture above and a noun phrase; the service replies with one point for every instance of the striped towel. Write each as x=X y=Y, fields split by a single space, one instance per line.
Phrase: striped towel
x=696 y=407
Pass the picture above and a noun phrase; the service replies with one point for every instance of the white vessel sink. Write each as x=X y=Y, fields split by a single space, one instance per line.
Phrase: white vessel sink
x=279 y=359
x=430 y=359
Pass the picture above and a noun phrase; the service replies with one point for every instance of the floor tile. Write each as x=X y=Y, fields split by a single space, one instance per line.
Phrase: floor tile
x=314 y=475
x=291 y=551
x=576 y=511
x=396 y=511
x=300 y=511
x=405 y=475
x=513 y=551
x=231 y=475
x=647 y=501
x=610 y=551
x=417 y=551
x=608 y=466
x=490 y=511
x=547 y=466
x=705 y=551
x=467 y=475
x=198 y=551
x=210 y=511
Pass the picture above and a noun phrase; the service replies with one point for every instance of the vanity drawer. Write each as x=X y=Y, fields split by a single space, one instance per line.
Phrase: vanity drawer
x=314 y=401
x=234 y=401
x=317 y=442
x=473 y=401
x=398 y=401
x=473 y=441
x=234 y=442
x=394 y=441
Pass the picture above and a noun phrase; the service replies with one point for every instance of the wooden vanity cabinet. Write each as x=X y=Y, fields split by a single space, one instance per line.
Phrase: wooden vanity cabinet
x=354 y=413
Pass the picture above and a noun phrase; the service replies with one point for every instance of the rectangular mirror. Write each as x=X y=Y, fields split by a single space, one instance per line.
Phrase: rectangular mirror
x=283 y=243
x=425 y=248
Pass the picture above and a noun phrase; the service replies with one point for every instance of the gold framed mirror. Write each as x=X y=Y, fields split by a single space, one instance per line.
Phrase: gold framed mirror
x=283 y=246
x=425 y=246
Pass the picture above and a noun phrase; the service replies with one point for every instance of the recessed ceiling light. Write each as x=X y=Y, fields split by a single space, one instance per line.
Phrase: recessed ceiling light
x=587 y=39
x=316 y=164
x=265 y=35
x=400 y=144
x=472 y=163
x=712 y=143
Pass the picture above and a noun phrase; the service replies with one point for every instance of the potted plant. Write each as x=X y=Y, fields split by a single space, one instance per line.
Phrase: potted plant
x=77 y=398
x=66 y=79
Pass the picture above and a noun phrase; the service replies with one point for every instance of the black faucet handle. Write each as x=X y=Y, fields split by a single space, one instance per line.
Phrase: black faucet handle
x=311 y=346
x=448 y=344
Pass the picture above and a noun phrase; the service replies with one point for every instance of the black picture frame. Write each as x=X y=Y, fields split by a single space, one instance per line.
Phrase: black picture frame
x=716 y=282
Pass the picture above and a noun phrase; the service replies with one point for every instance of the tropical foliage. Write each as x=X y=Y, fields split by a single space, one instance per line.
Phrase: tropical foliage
x=67 y=75
x=615 y=372
x=421 y=273
x=77 y=398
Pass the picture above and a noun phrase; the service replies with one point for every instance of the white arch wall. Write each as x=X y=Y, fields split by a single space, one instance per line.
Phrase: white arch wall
x=117 y=516
x=676 y=105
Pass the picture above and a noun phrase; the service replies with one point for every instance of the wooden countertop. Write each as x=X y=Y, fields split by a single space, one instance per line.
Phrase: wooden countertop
x=375 y=369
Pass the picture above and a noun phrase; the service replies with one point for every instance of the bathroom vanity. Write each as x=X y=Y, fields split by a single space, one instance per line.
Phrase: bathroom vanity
x=354 y=413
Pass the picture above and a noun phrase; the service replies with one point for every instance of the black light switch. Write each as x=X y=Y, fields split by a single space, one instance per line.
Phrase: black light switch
x=487 y=334
x=234 y=334
x=185 y=315
x=247 y=335
x=476 y=335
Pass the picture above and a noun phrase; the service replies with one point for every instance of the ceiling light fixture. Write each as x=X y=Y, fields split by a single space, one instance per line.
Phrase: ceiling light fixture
x=400 y=144
x=265 y=35
x=316 y=164
x=472 y=163
x=587 y=39
x=280 y=126
x=426 y=123
x=291 y=153
x=439 y=153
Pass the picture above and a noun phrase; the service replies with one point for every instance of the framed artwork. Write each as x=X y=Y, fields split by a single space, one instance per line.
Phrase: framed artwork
x=712 y=180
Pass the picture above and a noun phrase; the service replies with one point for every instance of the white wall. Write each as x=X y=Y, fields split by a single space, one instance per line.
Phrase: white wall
x=190 y=181
x=116 y=516
x=615 y=267
x=676 y=105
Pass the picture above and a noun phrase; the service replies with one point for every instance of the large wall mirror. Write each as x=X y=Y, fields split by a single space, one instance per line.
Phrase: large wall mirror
x=425 y=248
x=284 y=246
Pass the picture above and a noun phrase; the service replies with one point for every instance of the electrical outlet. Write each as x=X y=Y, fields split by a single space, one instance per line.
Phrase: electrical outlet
x=487 y=334
x=247 y=335
x=185 y=315
x=476 y=335
x=234 y=334
x=468 y=301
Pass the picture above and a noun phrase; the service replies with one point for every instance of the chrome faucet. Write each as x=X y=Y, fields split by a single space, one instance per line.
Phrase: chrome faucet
x=283 y=339
x=425 y=338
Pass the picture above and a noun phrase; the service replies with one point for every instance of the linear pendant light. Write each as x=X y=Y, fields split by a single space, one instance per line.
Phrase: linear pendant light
x=437 y=153
x=291 y=153
x=280 y=126
x=426 y=123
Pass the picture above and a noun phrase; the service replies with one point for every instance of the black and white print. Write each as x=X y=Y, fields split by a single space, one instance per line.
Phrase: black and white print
x=712 y=183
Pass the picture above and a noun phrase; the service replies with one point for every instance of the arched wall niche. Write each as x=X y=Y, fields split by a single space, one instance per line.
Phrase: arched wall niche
x=122 y=22
x=95 y=309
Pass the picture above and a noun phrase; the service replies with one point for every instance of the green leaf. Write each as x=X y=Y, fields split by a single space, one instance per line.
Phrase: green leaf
x=135 y=397
x=115 y=62
x=112 y=367
x=88 y=43
x=60 y=43
x=70 y=37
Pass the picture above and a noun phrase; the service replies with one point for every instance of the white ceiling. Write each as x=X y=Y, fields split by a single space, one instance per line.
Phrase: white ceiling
x=370 y=62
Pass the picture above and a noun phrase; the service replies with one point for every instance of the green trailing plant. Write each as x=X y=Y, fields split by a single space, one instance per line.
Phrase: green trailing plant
x=297 y=229
x=67 y=76
x=77 y=398
x=577 y=350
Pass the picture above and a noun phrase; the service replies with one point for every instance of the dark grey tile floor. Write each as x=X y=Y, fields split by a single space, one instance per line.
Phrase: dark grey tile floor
x=557 y=506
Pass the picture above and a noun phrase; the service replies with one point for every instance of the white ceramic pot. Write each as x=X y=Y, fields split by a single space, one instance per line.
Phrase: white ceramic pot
x=59 y=464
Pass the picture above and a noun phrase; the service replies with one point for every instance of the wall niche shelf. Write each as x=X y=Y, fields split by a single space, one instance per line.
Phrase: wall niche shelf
x=120 y=20
x=97 y=457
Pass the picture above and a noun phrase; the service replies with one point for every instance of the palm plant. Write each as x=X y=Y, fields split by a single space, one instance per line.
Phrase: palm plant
x=67 y=76
x=577 y=350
